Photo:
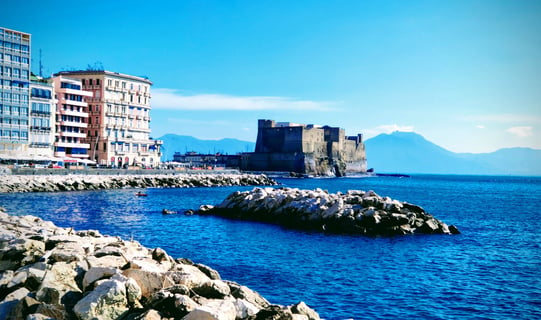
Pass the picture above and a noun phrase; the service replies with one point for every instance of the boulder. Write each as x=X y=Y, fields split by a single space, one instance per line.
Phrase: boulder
x=303 y=309
x=97 y=273
x=59 y=285
x=149 y=281
x=213 y=289
x=214 y=310
x=107 y=301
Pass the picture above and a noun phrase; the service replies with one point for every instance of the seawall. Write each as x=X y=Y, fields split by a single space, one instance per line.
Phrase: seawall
x=54 y=183
x=49 y=272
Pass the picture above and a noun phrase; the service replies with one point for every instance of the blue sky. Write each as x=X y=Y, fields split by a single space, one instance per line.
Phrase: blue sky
x=464 y=74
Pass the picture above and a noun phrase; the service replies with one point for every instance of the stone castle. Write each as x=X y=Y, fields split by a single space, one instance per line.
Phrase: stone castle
x=305 y=149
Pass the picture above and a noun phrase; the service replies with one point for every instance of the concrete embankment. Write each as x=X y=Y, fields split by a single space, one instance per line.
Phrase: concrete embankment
x=48 y=272
x=355 y=212
x=53 y=183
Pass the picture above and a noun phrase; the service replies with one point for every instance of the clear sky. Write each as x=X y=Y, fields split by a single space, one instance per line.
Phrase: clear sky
x=464 y=74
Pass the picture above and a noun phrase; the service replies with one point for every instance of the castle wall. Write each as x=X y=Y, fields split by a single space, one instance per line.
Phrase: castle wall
x=305 y=149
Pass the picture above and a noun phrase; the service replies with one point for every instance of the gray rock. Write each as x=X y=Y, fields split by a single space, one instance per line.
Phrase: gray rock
x=59 y=283
x=107 y=301
x=302 y=308
x=97 y=273
x=214 y=310
x=213 y=289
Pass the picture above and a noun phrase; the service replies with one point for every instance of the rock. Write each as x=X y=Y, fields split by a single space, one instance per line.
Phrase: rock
x=59 y=284
x=133 y=292
x=245 y=309
x=88 y=276
x=214 y=310
x=97 y=273
x=274 y=312
x=302 y=308
x=244 y=293
x=150 y=315
x=213 y=289
x=11 y=300
x=107 y=301
x=211 y=273
x=149 y=281
x=356 y=212
x=88 y=182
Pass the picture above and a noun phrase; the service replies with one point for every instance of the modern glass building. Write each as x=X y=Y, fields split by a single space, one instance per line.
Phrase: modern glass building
x=14 y=93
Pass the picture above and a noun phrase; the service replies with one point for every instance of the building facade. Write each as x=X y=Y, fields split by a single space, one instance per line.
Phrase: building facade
x=71 y=119
x=119 y=119
x=305 y=149
x=14 y=93
x=42 y=119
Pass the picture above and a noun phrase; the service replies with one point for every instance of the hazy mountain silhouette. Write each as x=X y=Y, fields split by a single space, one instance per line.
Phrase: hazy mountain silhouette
x=176 y=143
x=408 y=152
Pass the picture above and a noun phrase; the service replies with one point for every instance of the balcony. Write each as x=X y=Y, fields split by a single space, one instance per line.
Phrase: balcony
x=73 y=124
x=72 y=145
x=72 y=134
x=73 y=113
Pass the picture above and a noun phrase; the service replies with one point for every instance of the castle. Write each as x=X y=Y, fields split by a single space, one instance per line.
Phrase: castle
x=305 y=149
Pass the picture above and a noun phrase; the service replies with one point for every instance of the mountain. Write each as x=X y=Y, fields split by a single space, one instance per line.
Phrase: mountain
x=175 y=143
x=408 y=152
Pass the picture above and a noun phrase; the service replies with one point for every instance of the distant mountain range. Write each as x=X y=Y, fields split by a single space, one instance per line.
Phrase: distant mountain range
x=174 y=143
x=408 y=152
x=399 y=152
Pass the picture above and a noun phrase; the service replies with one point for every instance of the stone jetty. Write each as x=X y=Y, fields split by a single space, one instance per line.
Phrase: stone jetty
x=49 y=272
x=354 y=212
x=54 y=183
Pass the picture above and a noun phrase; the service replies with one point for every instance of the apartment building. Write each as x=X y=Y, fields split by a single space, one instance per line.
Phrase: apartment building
x=42 y=119
x=14 y=93
x=119 y=119
x=71 y=118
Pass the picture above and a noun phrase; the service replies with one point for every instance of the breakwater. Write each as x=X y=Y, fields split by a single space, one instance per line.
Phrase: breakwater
x=52 y=272
x=355 y=212
x=54 y=183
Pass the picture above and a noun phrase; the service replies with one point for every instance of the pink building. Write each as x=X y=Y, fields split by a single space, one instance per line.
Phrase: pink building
x=71 y=118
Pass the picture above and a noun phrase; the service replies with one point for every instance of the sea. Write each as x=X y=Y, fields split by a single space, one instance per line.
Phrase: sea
x=492 y=270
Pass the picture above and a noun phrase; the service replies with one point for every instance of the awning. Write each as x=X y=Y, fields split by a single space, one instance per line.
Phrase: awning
x=86 y=161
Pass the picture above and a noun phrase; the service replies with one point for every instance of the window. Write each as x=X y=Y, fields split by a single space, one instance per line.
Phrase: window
x=97 y=82
x=89 y=82
x=68 y=85
x=83 y=82
x=110 y=82
x=123 y=85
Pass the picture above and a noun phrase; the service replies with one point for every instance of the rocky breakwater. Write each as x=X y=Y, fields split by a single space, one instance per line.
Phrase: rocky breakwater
x=354 y=212
x=48 y=272
x=54 y=183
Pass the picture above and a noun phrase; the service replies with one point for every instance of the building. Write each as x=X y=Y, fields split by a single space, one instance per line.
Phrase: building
x=206 y=161
x=42 y=119
x=305 y=149
x=119 y=119
x=14 y=93
x=71 y=118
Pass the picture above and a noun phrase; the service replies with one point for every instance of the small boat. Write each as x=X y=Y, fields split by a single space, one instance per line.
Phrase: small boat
x=166 y=211
x=141 y=194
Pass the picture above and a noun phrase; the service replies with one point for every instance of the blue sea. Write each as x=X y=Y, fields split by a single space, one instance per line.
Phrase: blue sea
x=492 y=270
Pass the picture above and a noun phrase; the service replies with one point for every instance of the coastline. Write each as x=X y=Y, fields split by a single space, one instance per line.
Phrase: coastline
x=52 y=272
x=80 y=182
